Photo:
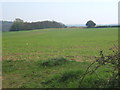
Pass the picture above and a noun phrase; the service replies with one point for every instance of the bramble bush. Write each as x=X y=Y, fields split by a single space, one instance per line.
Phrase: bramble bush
x=113 y=61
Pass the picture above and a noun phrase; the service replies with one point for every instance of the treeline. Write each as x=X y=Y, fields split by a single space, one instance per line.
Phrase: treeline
x=108 y=26
x=6 y=25
x=19 y=25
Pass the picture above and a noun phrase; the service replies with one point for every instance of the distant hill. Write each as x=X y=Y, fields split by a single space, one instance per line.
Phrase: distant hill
x=16 y=26
x=9 y=25
x=6 y=25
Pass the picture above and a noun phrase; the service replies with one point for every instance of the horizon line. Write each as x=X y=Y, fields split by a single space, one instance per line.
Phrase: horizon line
x=66 y=23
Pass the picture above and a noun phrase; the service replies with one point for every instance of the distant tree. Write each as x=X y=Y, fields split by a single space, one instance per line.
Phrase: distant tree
x=90 y=23
x=17 y=25
x=18 y=20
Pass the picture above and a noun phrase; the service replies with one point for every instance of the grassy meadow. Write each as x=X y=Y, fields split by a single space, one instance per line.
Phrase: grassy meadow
x=28 y=57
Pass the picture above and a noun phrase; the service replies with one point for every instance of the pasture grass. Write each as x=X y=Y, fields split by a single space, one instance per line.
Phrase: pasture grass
x=56 y=58
x=32 y=74
x=72 y=43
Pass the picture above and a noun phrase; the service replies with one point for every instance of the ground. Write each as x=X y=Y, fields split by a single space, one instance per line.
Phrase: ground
x=24 y=51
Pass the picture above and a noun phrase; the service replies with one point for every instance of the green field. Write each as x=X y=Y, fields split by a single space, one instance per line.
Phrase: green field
x=43 y=44
x=24 y=51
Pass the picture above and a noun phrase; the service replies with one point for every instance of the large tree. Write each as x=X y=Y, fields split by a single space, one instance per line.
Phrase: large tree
x=90 y=23
x=17 y=25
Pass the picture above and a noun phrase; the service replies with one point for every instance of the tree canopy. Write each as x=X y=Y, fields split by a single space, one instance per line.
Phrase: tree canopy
x=19 y=25
x=90 y=23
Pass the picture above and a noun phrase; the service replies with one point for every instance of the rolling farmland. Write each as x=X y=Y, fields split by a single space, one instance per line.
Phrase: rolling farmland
x=24 y=51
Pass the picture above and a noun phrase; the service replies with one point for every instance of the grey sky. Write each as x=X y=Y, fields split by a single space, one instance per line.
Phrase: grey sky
x=65 y=12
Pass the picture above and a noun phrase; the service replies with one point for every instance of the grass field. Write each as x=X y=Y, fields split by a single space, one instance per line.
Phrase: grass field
x=25 y=51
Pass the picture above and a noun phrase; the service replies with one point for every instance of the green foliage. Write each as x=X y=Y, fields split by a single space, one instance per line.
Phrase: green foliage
x=70 y=74
x=110 y=60
x=19 y=25
x=90 y=23
x=54 y=62
x=92 y=81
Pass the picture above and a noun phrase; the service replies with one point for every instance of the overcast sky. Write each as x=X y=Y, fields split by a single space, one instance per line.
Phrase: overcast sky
x=65 y=11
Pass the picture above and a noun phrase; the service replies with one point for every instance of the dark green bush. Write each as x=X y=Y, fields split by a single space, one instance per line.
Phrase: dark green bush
x=54 y=62
x=71 y=74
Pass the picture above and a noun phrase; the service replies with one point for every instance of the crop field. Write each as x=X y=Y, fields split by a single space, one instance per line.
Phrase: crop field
x=25 y=53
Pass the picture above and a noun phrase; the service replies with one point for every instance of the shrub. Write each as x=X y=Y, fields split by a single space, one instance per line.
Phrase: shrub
x=111 y=60
x=54 y=62
x=71 y=74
